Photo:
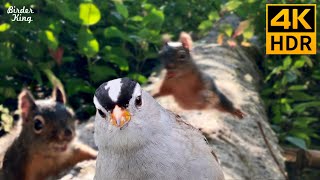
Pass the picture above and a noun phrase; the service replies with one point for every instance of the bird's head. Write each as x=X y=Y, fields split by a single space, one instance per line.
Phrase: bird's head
x=123 y=110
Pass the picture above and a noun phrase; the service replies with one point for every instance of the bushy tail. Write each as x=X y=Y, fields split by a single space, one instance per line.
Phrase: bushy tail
x=238 y=113
x=227 y=106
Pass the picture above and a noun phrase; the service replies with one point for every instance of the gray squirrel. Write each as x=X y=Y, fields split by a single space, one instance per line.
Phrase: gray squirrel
x=191 y=88
x=46 y=144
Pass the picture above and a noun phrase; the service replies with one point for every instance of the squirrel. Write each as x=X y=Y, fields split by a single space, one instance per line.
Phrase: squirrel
x=191 y=88
x=46 y=144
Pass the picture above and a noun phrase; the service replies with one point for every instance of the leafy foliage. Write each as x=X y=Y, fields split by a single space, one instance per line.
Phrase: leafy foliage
x=292 y=93
x=82 y=43
x=291 y=85
x=6 y=119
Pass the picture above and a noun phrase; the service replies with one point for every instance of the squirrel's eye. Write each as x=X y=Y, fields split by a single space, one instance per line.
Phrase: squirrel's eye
x=138 y=101
x=38 y=124
x=102 y=114
x=182 y=56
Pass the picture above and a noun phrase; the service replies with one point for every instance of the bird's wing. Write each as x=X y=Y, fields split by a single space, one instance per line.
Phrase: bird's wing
x=209 y=167
x=185 y=125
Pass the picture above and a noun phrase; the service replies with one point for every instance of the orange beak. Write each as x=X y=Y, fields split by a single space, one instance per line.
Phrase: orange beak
x=119 y=116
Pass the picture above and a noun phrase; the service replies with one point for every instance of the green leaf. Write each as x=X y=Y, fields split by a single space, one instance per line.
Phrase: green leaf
x=138 y=77
x=213 y=16
x=67 y=59
x=297 y=87
x=7 y=5
x=299 y=63
x=76 y=85
x=226 y=29
x=55 y=27
x=117 y=50
x=303 y=122
x=146 y=36
x=112 y=32
x=87 y=43
x=232 y=5
x=277 y=119
x=300 y=96
x=6 y=122
x=297 y=142
x=137 y=18
x=302 y=134
x=122 y=9
x=205 y=25
x=317 y=77
x=287 y=62
x=303 y=106
x=248 y=32
x=51 y=39
x=71 y=14
x=89 y=13
x=4 y=27
x=307 y=60
x=286 y=106
x=290 y=76
x=283 y=82
x=101 y=73
x=8 y=92
x=122 y=63
x=276 y=70
x=147 y=6
x=154 y=19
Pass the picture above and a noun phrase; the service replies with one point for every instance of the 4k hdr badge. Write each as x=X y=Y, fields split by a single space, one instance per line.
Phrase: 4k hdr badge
x=291 y=29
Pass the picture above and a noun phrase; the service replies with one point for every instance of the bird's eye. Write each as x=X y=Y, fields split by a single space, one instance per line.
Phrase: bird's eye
x=102 y=114
x=38 y=124
x=138 y=101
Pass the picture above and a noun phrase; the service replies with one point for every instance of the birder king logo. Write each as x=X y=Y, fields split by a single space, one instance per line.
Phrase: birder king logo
x=22 y=14
x=291 y=29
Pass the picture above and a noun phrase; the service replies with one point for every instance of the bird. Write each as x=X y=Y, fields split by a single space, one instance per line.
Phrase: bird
x=139 y=139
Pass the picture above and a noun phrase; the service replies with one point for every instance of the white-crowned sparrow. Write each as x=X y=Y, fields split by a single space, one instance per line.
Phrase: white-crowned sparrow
x=138 y=139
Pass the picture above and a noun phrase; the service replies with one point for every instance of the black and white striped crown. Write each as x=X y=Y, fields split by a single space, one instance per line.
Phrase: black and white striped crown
x=116 y=92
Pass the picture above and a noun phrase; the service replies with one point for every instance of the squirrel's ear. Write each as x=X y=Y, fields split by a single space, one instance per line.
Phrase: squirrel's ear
x=59 y=95
x=186 y=40
x=26 y=104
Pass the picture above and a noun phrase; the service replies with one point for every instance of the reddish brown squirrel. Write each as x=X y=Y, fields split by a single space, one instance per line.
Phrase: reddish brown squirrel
x=46 y=144
x=191 y=88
